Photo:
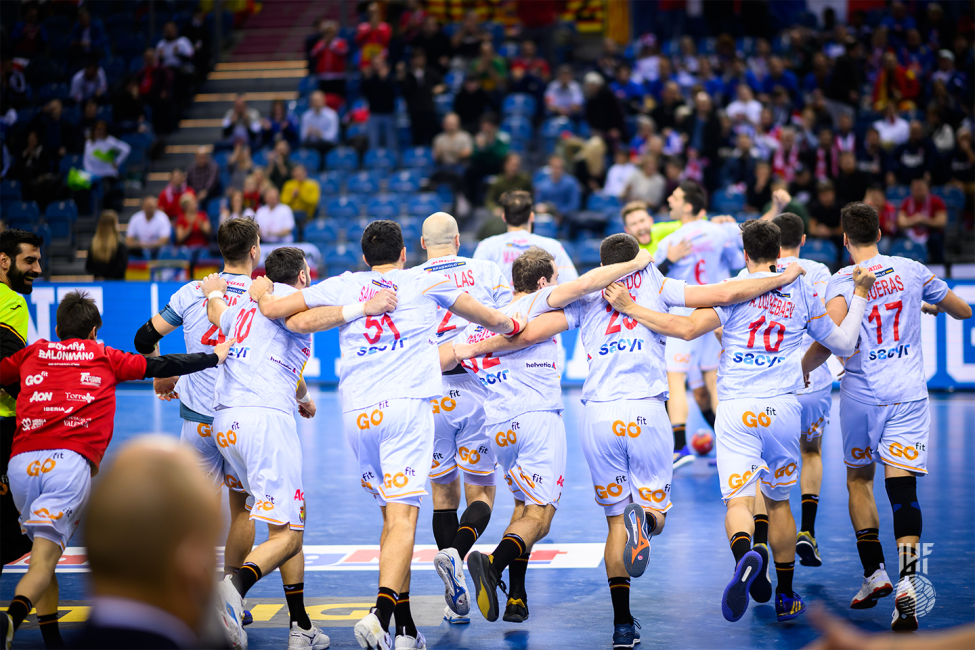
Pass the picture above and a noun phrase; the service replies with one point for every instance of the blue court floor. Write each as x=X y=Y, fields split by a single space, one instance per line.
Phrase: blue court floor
x=677 y=599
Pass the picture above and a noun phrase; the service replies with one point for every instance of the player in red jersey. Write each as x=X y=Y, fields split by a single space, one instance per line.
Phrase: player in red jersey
x=65 y=419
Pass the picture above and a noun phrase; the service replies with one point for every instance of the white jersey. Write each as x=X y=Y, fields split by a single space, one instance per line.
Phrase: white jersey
x=626 y=360
x=707 y=263
x=818 y=275
x=395 y=355
x=887 y=366
x=480 y=278
x=761 y=342
x=504 y=249
x=265 y=363
x=188 y=307
x=520 y=381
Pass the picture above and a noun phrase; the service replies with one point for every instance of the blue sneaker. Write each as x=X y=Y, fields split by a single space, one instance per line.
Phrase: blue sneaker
x=734 y=601
x=761 y=589
x=683 y=457
x=636 y=555
x=626 y=636
x=246 y=618
x=788 y=607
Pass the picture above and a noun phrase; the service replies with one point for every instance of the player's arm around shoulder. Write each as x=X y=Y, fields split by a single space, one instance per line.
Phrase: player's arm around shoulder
x=468 y=308
x=539 y=329
x=596 y=280
x=320 y=319
x=731 y=293
x=214 y=288
x=700 y=322
x=275 y=307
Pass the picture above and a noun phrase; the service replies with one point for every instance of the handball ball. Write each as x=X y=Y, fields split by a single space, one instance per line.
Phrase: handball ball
x=703 y=442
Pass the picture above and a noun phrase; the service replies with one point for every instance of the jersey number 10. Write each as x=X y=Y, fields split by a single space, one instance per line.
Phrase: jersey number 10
x=779 y=328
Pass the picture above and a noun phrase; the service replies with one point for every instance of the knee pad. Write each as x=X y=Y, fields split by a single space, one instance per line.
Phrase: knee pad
x=902 y=492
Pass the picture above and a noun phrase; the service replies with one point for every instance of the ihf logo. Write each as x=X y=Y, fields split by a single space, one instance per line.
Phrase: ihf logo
x=923 y=588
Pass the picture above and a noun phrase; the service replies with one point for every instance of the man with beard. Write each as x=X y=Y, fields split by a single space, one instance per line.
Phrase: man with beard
x=20 y=263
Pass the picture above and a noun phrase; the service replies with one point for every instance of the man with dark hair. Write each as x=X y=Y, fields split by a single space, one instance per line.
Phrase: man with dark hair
x=504 y=249
x=705 y=264
x=64 y=424
x=625 y=437
x=884 y=412
x=20 y=264
x=390 y=373
x=758 y=416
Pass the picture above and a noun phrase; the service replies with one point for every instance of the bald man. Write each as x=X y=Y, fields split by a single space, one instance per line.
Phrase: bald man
x=460 y=444
x=152 y=527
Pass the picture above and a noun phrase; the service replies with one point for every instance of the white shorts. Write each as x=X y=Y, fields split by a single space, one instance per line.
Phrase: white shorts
x=894 y=434
x=815 y=412
x=50 y=489
x=701 y=353
x=199 y=436
x=758 y=439
x=263 y=457
x=460 y=442
x=531 y=450
x=393 y=442
x=629 y=447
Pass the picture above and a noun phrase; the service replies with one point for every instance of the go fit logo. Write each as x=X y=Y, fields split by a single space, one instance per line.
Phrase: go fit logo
x=763 y=419
x=37 y=468
x=228 y=437
x=368 y=420
x=631 y=429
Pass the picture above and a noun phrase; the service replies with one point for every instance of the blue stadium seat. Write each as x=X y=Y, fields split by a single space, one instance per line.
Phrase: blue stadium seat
x=423 y=205
x=176 y=253
x=418 y=158
x=613 y=227
x=518 y=127
x=308 y=85
x=364 y=182
x=341 y=208
x=130 y=44
x=342 y=158
x=446 y=195
x=340 y=260
x=9 y=190
x=259 y=158
x=47 y=92
x=539 y=175
x=444 y=103
x=412 y=230
x=820 y=250
x=66 y=209
x=356 y=129
x=322 y=231
x=454 y=80
x=310 y=158
x=213 y=211
x=583 y=130
x=950 y=194
x=222 y=158
x=69 y=161
x=62 y=228
x=354 y=229
x=909 y=249
x=727 y=202
x=554 y=126
x=25 y=115
x=521 y=104
x=23 y=210
x=384 y=206
x=604 y=204
x=897 y=193
x=467 y=249
x=546 y=228
x=405 y=181
x=331 y=182
x=379 y=159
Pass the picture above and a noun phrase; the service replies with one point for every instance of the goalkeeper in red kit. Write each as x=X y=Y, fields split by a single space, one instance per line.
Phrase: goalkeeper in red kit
x=65 y=419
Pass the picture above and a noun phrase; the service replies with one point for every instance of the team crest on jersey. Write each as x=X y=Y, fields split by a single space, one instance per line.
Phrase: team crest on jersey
x=518 y=243
x=780 y=294
x=443 y=266
x=385 y=284
x=881 y=274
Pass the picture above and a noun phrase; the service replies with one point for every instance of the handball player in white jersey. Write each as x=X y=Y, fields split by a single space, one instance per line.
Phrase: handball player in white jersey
x=758 y=416
x=390 y=371
x=884 y=413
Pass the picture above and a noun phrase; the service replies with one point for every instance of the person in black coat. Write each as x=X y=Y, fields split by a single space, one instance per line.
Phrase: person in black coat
x=602 y=109
x=703 y=130
x=419 y=85
x=471 y=103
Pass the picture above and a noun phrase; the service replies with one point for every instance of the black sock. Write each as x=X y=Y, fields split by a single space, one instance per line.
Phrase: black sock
x=404 y=618
x=385 y=605
x=783 y=577
x=246 y=577
x=708 y=417
x=230 y=570
x=651 y=522
x=445 y=527
x=907 y=559
x=810 y=504
x=50 y=632
x=619 y=591
x=741 y=543
x=680 y=436
x=516 y=576
x=472 y=525
x=19 y=608
x=870 y=549
x=761 y=529
x=295 y=595
x=511 y=546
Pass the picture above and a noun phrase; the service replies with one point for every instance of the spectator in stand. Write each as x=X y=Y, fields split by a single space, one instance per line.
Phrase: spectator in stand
x=87 y=38
x=745 y=109
x=664 y=115
x=512 y=177
x=419 y=85
x=759 y=193
x=204 y=176
x=279 y=165
x=602 y=110
x=824 y=215
x=609 y=60
x=454 y=146
x=32 y=167
x=280 y=123
x=564 y=95
x=647 y=66
x=108 y=256
x=276 y=220
x=255 y=187
x=782 y=201
x=312 y=39
x=242 y=123
x=647 y=184
x=149 y=229
x=898 y=22
x=915 y=56
x=174 y=51
x=957 y=84
x=490 y=148
x=916 y=158
x=467 y=40
x=922 y=219
x=28 y=38
x=851 y=183
x=57 y=134
x=877 y=199
x=739 y=167
x=778 y=75
x=198 y=33
x=234 y=208
x=104 y=155
x=847 y=78
x=89 y=83
x=89 y=117
x=328 y=59
x=373 y=36
x=13 y=88
x=471 y=103
x=630 y=94
x=193 y=228
x=172 y=193
x=156 y=89
x=822 y=160
x=533 y=64
x=818 y=77
x=785 y=160
x=646 y=129
x=704 y=135
x=301 y=193
x=619 y=173
x=379 y=89
x=895 y=85
x=319 y=125
x=411 y=21
x=961 y=163
x=128 y=111
x=490 y=68
x=240 y=165
x=941 y=134
x=872 y=160
x=558 y=193
x=537 y=21
x=434 y=43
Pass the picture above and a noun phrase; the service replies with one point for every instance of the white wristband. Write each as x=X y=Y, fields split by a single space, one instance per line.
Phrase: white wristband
x=353 y=312
x=214 y=294
x=305 y=399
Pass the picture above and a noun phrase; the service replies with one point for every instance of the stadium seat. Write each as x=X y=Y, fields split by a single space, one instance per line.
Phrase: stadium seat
x=412 y=229
x=423 y=205
x=322 y=231
x=69 y=161
x=176 y=253
x=897 y=193
x=384 y=206
x=727 y=202
x=213 y=211
x=23 y=211
x=47 y=92
x=331 y=182
x=539 y=175
x=444 y=103
x=340 y=260
x=364 y=182
x=308 y=85
x=521 y=104
x=310 y=158
x=613 y=227
x=259 y=158
x=66 y=209
x=454 y=81
x=9 y=190
x=418 y=158
x=467 y=249
x=602 y=203
x=519 y=128
x=405 y=181
x=344 y=158
x=130 y=44
x=909 y=249
x=379 y=159
x=354 y=229
x=354 y=130
x=820 y=250
x=553 y=127
x=546 y=228
x=341 y=208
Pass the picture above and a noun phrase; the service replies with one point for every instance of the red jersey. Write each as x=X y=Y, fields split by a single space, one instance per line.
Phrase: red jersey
x=372 y=41
x=67 y=394
x=330 y=58
x=169 y=200
x=929 y=207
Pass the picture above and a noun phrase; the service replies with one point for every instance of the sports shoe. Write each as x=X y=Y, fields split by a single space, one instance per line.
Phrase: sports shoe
x=450 y=568
x=370 y=634
x=905 y=607
x=6 y=631
x=807 y=549
x=486 y=581
x=636 y=555
x=246 y=618
x=761 y=589
x=313 y=639
x=415 y=643
x=788 y=607
x=626 y=636
x=875 y=586
x=683 y=457
x=734 y=601
x=230 y=608
x=454 y=618
x=516 y=611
